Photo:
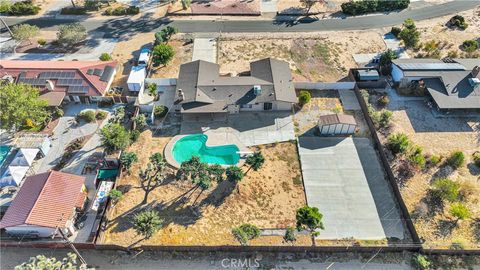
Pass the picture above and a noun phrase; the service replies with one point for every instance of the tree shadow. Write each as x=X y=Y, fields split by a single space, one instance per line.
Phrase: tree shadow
x=123 y=222
x=217 y=196
x=178 y=213
x=433 y=204
x=445 y=228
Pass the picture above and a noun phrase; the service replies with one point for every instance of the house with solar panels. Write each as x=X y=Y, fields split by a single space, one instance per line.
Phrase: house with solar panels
x=453 y=84
x=63 y=81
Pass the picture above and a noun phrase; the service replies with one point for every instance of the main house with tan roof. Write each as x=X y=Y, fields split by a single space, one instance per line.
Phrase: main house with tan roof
x=75 y=81
x=268 y=86
x=45 y=203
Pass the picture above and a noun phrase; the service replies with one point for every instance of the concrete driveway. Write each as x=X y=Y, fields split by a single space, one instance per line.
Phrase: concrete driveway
x=205 y=49
x=343 y=178
x=251 y=128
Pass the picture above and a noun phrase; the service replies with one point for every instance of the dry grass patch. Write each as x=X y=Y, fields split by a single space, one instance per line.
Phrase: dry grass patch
x=312 y=56
x=267 y=198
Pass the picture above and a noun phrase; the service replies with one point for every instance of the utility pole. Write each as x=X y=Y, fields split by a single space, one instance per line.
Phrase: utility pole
x=6 y=26
x=67 y=241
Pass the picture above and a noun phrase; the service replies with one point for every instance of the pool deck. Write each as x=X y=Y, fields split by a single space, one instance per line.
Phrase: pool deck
x=214 y=139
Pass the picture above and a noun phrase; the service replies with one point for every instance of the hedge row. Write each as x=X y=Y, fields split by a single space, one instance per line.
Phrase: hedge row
x=370 y=6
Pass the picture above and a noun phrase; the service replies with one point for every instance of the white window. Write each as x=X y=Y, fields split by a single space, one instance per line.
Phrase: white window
x=246 y=106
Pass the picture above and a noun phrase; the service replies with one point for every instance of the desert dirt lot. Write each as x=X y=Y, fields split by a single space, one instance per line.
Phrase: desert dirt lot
x=267 y=198
x=127 y=51
x=441 y=136
x=449 y=39
x=312 y=56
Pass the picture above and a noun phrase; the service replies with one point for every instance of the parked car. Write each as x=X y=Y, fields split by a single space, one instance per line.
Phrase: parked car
x=143 y=58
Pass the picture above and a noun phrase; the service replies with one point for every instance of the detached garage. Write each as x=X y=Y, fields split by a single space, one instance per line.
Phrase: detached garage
x=336 y=124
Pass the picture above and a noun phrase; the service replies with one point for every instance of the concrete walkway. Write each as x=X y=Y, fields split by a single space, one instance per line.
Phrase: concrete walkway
x=205 y=49
x=349 y=100
x=268 y=6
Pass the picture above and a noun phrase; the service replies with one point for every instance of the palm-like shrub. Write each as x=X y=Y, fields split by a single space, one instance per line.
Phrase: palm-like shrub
x=255 y=161
x=147 y=223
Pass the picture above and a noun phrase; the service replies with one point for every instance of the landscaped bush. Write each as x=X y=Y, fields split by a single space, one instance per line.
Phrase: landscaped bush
x=383 y=101
x=73 y=11
x=140 y=121
x=92 y=5
x=57 y=112
x=456 y=159
x=304 y=97
x=418 y=160
x=105 y=57
x=119 y=11
x=23 y=8
x=395 y=31
x=87 y=115
x=458 y=21
x=134 y=135
x=420 y=261
x=160 y=111
x=381 y=119
x=289 y=235
x=446 y=189
x=433 y=160
x=152 y=89
x=246 y=232
x=5 y=6
x=41 y=42
x=101 y=114
x=369 y=6
x=470 y=45
x=476 y=159
x=398 y=143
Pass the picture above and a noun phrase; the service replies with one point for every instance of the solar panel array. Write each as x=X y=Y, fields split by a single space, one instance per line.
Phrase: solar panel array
x=56 y=75
x=107 y=74
x=32 y=81
x=69 y=82
x=79 y=89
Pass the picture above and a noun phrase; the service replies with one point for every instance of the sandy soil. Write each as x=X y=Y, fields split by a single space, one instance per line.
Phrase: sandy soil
x=312 y=56
x=126 y=51
x=296 y=7
x=441 y=136
x=449 y=39
x=267 y=198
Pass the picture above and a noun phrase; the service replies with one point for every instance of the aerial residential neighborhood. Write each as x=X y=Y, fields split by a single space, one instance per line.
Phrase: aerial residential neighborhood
x=224 y=134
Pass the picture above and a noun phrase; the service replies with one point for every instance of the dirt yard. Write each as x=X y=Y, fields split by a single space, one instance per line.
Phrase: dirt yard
x=312 y=56
x=267 y=198
x=441 y=136
x=127 y=51
x=449 y=40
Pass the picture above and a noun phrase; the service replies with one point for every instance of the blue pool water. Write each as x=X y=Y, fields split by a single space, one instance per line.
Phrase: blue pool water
x=4 y=153
x=194 y=145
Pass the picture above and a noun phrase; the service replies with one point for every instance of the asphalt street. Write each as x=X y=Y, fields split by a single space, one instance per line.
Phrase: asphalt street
x=125 y=26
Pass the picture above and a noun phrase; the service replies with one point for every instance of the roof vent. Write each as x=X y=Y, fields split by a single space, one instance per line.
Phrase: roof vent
x=90 y=72
x=257 y=90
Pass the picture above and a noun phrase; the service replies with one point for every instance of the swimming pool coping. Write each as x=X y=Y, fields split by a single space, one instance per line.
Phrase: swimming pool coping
x=168 y=150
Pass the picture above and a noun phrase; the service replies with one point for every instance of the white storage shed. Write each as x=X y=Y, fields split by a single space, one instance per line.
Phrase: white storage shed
x=136 y=79
x=336 y=124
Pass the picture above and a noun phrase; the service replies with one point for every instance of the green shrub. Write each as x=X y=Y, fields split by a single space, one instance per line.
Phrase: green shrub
x=246 y=232
x=41 y=42
x=162 y=54
x=115 y=194
x=134 y=135
x=398 y=143
x=395 y=31
x=458 y=244
x=101 y=114
x=420 y=261
x=369 y=6
x=456 y=159
x=87 y=115
x=152 y=89
x=5 y=6
x=446 y=189
x=23 y=8
x=433 y=160
x=73 y=11
x=57 y=112
x=476 y=159
x=160 y=111
x=460 y=211
x=119 y=11
x=105 y=57
x=304 y=97
x=289 y=235
x=458 y=21
x=383 y=101
x=470 y=46
x=92 y=5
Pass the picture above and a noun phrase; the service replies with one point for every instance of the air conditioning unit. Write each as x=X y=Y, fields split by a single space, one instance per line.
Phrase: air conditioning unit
x=49 y=85
x=474 y=82
x=257 y=90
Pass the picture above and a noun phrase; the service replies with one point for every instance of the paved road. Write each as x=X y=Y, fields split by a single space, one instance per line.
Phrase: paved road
x=10 y=257
x=125 y=27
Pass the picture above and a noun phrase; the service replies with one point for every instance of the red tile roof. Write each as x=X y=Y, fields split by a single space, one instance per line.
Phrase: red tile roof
x=33 y=68
x=46 y=199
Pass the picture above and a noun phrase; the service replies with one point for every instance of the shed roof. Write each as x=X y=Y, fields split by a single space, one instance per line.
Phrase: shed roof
x=46 y=199
x=336 y=119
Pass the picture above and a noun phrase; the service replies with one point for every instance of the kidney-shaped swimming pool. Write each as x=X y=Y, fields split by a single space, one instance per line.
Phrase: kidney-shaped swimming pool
x=195 y=145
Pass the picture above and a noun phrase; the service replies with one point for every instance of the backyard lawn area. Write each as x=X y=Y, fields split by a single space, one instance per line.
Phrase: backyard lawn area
x=267 y=198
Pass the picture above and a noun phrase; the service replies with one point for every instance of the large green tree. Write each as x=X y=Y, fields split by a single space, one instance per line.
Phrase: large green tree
x=409 y=34
x=255 y=161
x=162 y=54
x=20 y=103
x=23 y=32
x=71 y=34
x=309 y=218
x=42 y=262
x=114 y=137
x=127 y=159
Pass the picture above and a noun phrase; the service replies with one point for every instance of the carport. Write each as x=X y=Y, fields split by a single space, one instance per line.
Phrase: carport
x=350 y=190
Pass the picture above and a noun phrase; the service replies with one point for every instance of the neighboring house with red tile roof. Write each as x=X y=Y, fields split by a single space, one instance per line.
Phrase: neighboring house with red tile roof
x=77 y=81
x=44 y=202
